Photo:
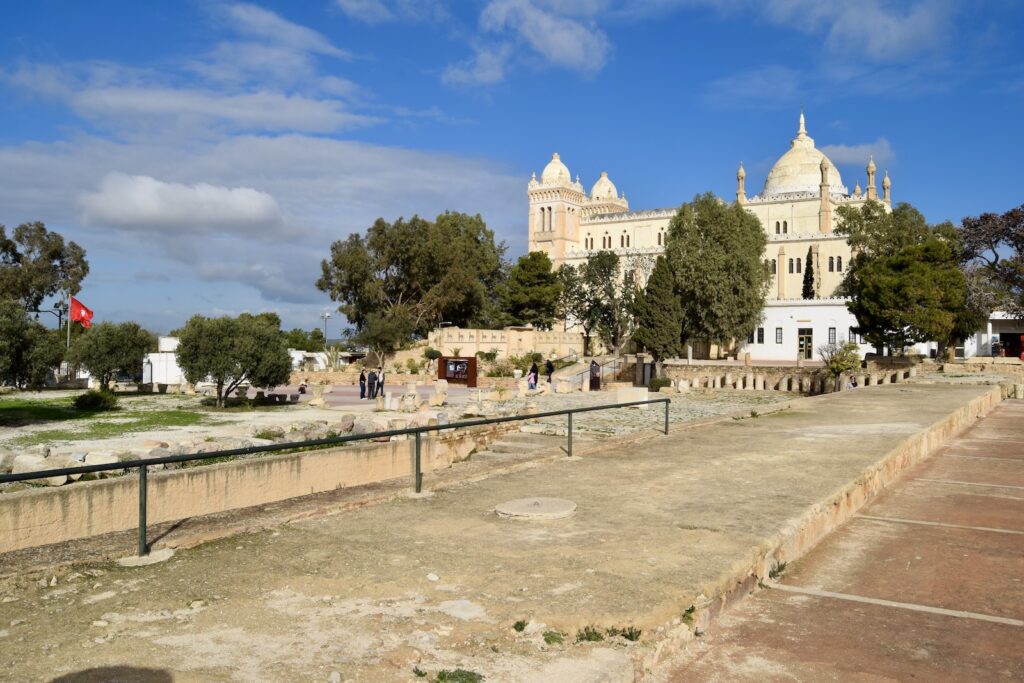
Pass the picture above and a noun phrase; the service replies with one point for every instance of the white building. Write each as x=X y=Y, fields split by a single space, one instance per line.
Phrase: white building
x=162 y=367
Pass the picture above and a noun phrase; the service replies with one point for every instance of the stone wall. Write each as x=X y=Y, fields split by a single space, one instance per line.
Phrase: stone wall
x=36 y=517
x=762 y=378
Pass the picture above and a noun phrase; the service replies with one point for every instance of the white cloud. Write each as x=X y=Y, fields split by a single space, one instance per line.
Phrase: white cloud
x=559 y=39
x=261 y=23
x=380 y=11
x=145 y=204
x=261 y=110
x=880 y=149
x=486 y=67
x=366 y=11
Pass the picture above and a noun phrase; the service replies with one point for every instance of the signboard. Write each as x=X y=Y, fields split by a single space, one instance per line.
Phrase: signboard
x=457 y=370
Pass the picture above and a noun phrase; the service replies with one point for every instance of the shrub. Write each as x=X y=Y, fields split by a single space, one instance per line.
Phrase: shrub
x=413 y=366
x=589 y=634
x=96 y=401
x=501 y=368
x=554 y=637
x=489 y=356
x=431 y=353
x=658 y=382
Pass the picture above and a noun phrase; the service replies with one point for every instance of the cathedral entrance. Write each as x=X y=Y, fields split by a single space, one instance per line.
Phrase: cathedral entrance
x=805 y=343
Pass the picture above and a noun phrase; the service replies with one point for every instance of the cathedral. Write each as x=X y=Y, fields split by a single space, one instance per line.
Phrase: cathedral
x=796 y=207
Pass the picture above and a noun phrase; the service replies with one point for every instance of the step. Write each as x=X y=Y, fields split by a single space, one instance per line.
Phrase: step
x=528 y=438
x=513 y=447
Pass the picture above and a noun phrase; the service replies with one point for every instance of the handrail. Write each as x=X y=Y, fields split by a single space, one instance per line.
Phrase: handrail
x=613 y=362
x=143 y=465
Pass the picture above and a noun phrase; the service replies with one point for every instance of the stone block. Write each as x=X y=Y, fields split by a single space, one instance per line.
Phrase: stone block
x=1018 y=390
x=379 y=404
x=24 y=464
x=409 y=403
x=748 y=381
x=630 y=394
x=6 y=461
x=441 y=386
x=437 y=399
x=563 y=387
x=345 y=424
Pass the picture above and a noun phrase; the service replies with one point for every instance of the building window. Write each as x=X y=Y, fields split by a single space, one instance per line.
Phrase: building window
x=798 y=265
x=790 y=265
x=659 y=239
x=778 y=228
x=785 y=227
x=831 y=335
x=774 y=267
x=750 y=338
x=627 y=240
x=778 y=335
x=831 y=264
x=853 y=336
x=760 y=335
x=839 y=264
x=622 y=240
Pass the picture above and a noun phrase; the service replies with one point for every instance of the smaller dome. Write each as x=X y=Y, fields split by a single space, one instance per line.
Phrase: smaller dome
x=886 y=183
x=555 y=173
x=871 y=164
x=857 y=190
x=604 y=188
x=740 y=174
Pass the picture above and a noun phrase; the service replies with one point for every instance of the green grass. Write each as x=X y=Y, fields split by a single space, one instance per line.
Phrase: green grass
x=126 y=423
x=458 y=676
x=15 y=412
x=554 y=637
x=589 y=634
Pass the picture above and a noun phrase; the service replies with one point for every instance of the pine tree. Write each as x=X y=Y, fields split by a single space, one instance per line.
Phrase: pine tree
x=659 y=314
x=808 y=292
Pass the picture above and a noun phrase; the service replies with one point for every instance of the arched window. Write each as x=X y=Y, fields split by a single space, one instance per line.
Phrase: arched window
x=778 y=228
x=627 y=240
x=622 y=240
x=785 y=227
x=774 y=271
x=831 y=264
x=659 y=239
x=791 y=265
x=798 y=265
x=839 y=264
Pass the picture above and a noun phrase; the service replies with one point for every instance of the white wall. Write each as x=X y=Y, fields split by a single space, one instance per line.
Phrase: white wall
x=820 y=315
x=165 y=368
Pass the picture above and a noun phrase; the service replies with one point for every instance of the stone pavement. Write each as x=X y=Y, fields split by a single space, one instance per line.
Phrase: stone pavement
x=925 y=583
x=439 y=582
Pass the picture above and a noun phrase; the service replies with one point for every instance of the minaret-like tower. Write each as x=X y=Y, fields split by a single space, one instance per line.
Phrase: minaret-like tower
x=741 y=194
x=555 y=210
x=872 y=190
x=886 y=187
x=825 y=212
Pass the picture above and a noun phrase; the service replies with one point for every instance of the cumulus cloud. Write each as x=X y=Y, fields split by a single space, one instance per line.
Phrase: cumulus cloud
x=763 y=88
x=146 y=204
x=486 y=67
x=880 y=149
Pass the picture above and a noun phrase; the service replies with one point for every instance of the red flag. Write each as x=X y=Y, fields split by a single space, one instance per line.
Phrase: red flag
x=80 y=314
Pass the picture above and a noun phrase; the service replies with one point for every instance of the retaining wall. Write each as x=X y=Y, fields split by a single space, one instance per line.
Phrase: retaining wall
x=38 y=517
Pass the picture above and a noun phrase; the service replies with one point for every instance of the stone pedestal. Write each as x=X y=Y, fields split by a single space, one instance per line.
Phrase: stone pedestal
x=748 y=381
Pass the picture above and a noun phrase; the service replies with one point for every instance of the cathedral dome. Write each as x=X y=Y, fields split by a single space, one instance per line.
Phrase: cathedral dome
x=555 y=173
x=799 y=169
x=604 y=188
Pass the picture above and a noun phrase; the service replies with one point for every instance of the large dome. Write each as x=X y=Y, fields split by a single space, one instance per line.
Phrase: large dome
x=799 y=169
x=555 y=173
x=604 y=188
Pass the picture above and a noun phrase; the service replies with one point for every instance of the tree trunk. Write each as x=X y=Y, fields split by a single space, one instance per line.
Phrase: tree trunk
x=220 y=394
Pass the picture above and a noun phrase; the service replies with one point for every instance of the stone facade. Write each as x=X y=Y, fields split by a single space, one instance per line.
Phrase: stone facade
x=511 y=341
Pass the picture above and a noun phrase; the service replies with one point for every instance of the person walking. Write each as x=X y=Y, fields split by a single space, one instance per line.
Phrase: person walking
x=531 y=377
x=380 y=381
x=371 y=382
x=549 y=369
x=362 y=383
x=595 y=376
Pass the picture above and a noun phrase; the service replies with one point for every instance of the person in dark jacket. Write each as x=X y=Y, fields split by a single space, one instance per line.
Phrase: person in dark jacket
x=362 y=384
x=371 y=384
x=549 y=369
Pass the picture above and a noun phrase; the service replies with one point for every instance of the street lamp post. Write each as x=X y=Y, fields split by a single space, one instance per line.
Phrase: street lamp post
x=326 y=315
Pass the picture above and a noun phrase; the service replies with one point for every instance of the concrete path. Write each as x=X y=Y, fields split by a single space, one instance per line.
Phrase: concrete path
x=440 y=583
x=926 y=583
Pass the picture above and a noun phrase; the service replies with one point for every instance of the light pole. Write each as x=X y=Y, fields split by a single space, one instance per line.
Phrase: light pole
x=326 y=315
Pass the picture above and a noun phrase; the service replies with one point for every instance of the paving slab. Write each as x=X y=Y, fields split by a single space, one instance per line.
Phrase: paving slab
x=924 y=583
x=440 y=582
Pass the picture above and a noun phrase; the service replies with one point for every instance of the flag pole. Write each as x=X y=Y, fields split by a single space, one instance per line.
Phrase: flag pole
x=69 y=322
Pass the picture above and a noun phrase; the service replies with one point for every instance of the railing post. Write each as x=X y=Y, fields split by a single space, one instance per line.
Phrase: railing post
x=666 y=416
x=570 y=435
x=143 y=546
x=419 y=473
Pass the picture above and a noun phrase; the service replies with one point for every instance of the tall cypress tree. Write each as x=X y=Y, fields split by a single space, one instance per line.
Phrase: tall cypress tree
x=659 y=314
x=808 y=292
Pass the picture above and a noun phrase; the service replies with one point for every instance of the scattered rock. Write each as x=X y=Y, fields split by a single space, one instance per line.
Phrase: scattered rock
x=152 y=443
x=430 y=577
x=345 y=424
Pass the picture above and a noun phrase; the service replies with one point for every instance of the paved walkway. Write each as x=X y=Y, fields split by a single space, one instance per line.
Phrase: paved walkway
x=440 y=582
x=926 y=583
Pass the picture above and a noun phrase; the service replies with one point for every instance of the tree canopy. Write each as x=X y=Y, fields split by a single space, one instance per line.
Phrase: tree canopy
x=995 y=243
x=107 y=349
x=533 y=291
x=659 y=314
x=808 y=289
x=233 y=351
x=403 y=278
x=305 y=340
x=715 y=251
x=905 y=278
x=36 y=263
x=29 y=351
x=598 y=295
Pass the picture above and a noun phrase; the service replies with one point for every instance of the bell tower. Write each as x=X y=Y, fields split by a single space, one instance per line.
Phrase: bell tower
x=556 y=204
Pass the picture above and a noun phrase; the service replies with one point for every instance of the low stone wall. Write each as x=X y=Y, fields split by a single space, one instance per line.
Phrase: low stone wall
x=38 y=517
x=351 y=377
x=811 y=381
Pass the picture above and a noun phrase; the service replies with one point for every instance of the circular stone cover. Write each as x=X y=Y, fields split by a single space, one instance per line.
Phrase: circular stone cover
x=536 y=508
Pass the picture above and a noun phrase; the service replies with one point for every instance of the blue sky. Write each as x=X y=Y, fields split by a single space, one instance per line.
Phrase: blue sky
x=206 y=154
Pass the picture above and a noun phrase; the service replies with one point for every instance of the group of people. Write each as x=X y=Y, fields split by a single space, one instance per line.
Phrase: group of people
x=371 y=386
x=531 y=376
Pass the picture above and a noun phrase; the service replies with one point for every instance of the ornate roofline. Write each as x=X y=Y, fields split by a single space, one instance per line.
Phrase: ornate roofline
x=645 y=214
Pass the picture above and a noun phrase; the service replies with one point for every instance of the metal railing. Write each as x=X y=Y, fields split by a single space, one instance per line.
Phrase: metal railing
x=615 y=362
x=417 y=432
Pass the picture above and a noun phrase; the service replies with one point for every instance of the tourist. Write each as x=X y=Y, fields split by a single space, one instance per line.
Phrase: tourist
x=531 y=377
x=371 y=382
x=549 y=369
x=595 y=376
x=362 y=383
x=380 y=381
